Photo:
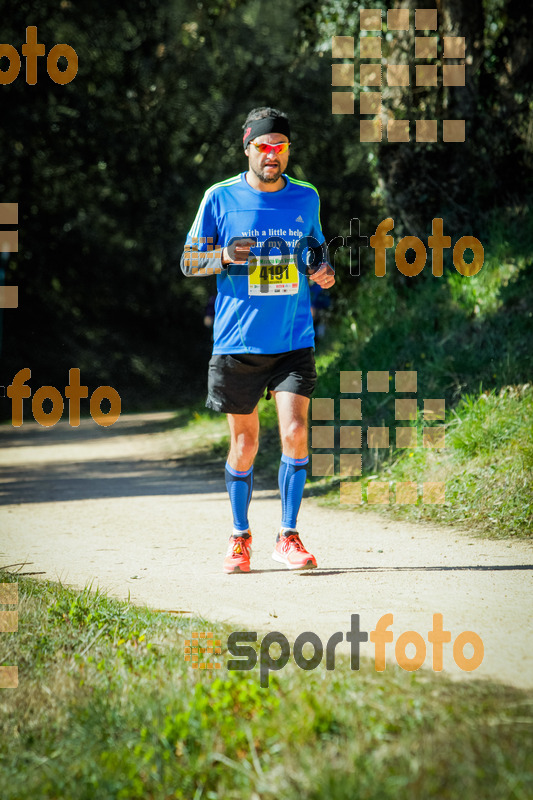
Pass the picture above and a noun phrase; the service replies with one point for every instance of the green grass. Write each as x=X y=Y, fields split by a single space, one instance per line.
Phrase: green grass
x=108 y=708
x=486 y=464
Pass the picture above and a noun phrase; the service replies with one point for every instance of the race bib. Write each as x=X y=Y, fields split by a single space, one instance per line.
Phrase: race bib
x=270 y=277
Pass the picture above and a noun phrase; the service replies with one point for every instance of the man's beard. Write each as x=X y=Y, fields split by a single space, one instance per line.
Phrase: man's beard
x=270 y=177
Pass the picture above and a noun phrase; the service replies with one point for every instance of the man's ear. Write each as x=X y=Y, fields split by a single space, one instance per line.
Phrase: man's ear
x=247 y=151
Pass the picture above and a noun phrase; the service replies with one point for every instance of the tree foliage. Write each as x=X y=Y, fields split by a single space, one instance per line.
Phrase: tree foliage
x=108 y=170
x=460 y=181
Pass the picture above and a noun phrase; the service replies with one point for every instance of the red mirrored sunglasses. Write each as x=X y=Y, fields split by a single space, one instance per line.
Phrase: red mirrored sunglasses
x=264 y=147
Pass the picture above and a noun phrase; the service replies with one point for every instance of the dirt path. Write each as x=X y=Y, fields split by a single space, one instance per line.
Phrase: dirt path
x=119 y=507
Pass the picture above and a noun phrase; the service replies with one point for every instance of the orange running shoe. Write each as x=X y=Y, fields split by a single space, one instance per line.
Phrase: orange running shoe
x=238 y=555
x=290 y=551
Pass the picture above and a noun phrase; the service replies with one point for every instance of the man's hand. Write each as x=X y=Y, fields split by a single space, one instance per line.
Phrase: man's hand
x=324 y=276
x=238 y=251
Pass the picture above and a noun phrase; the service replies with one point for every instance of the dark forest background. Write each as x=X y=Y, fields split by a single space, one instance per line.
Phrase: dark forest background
x=108 y=172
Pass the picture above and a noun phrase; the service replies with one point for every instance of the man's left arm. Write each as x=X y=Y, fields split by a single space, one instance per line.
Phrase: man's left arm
x=323 y=274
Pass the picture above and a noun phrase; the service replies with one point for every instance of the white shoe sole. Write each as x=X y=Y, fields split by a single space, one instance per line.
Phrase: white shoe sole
x=277 y=557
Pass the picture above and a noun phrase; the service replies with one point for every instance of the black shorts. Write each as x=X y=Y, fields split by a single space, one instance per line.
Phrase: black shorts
x=236 y=382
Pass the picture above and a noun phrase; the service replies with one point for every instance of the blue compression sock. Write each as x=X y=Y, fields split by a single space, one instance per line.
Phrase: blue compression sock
x=291 y=478
x=239 y=486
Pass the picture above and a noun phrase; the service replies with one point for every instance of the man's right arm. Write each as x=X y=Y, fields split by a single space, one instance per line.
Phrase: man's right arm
x=199 y=263
x=202 y=255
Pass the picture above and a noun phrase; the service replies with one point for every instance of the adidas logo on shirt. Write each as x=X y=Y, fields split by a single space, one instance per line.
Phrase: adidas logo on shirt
x=299 y=218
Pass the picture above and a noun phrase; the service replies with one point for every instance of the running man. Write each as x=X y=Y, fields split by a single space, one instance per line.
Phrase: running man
x=263 y=329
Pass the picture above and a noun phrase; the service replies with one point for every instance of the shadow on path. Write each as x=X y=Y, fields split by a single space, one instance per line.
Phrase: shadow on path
x=85 y=478
x=50 y=483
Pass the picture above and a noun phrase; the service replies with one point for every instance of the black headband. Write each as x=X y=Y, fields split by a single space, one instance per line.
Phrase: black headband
x=257 y=127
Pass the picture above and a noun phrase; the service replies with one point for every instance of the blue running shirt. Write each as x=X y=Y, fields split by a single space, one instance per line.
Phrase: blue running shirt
x=246 y=319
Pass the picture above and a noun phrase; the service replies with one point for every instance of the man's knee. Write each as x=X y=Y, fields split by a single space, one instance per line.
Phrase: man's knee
x=244 y=444
x=247 y=446
x=295 y=432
